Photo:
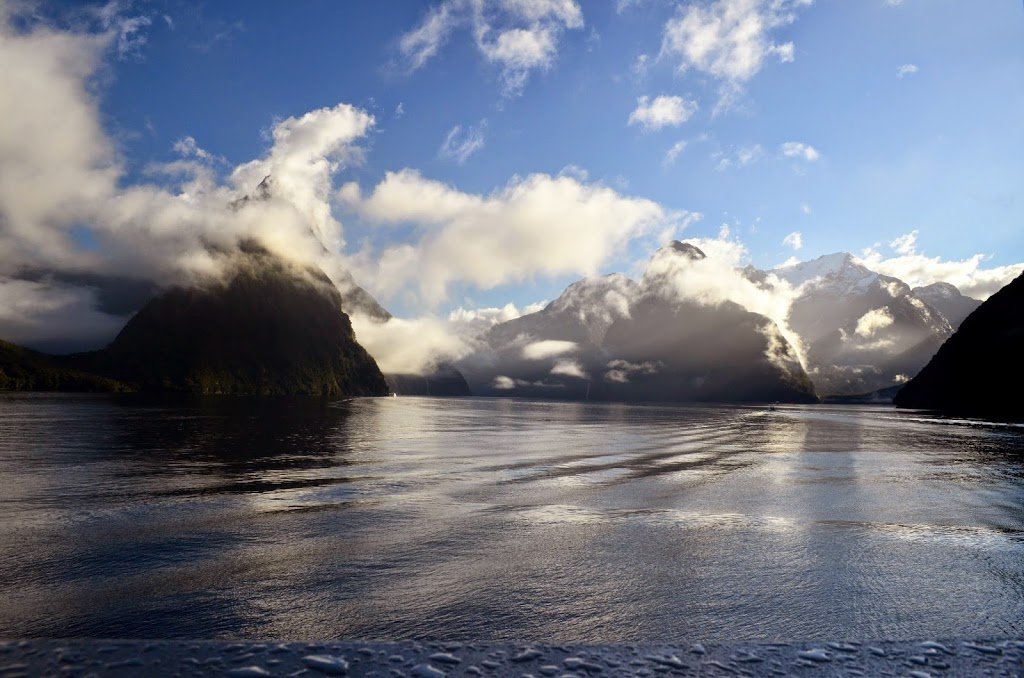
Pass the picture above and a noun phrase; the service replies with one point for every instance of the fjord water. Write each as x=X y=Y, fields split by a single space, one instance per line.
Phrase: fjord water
x=400 y=518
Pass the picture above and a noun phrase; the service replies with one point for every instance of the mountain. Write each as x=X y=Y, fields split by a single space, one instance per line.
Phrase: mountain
x=443 y=380
x=947 y=300
x=22 y=369
x=553 y=352
x=978 y=370
x=862 y=331
x=266 y=328
x=612 y=338
x=357 y=301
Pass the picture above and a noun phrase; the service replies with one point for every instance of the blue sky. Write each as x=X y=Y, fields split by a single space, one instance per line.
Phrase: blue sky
x=907 y=115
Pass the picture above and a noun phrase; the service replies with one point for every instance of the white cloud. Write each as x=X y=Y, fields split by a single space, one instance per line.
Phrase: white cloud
x=719 y=278
x=620 y=371
x=536 y=225
x=873 y=321
x=740 y=157
x=623 y=5
x=794 y=240
x=459 y=144
x=729 y=39
x=503 y=383
x=662 y=111
x=549 y=348
x=905 y=70
x=424 y=41
x=130 y=30
x=164 y=232
x=905 y=244
x=916 y=269
x=517 y=36
x=797 y=149
x=674 y=152
x=472 y=321
x=418 y=345
x=410 y=346
x=307 y=151
x=805 y=208
x=38 y=312
x=642 y=64
x=188 y=147
x=749 y=154
x=569 y=368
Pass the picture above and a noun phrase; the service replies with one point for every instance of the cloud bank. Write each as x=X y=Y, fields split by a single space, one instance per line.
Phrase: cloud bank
x=539 y=225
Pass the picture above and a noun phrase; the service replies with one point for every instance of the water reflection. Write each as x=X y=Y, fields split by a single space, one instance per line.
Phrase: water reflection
x=502 y=519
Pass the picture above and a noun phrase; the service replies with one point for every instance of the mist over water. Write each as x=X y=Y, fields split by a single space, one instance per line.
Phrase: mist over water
x=504 y=519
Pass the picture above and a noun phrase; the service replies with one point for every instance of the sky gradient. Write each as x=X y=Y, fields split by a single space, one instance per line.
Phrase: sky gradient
x=791 y=128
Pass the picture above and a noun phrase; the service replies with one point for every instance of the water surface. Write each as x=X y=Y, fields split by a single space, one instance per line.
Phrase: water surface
x=504 y=520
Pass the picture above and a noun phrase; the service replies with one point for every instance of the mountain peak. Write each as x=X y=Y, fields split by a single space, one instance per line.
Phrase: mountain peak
x=939 y=289
x=588 y=292
x=685 y=249
x=839 y=265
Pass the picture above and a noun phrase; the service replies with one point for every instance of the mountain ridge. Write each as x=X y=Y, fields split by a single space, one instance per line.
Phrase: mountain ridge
x=266 y=327
x=959 y=379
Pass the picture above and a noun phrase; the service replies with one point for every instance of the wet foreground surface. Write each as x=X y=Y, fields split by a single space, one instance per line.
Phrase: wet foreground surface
x=435 y=660
x=503 y=520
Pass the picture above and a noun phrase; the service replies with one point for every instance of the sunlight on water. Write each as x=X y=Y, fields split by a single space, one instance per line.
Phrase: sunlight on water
x=502 y=519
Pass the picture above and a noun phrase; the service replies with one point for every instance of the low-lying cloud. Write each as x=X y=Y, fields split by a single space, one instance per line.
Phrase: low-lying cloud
x=916 y=269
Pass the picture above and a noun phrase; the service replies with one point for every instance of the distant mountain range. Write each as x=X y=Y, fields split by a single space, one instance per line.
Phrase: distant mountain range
x=864 y=331
x=611 y=338
x=615 y=338
x=272 y=328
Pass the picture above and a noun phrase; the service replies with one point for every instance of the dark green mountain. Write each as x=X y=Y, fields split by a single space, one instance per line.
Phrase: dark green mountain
x=22 y=369
x=266 y=328
x=977 y=371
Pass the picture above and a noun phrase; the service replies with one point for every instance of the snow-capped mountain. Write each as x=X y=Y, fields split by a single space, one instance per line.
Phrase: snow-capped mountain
x=612 y=338
x=864 y=331
x=947 y=300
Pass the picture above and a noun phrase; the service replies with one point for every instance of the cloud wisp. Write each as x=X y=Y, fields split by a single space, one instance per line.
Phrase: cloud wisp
x=459 y=144
x=905 y=70
x=800 y=151
x=517 y=37
x=729 y=40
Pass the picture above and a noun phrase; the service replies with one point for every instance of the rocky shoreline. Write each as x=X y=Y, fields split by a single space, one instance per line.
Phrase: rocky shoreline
x=436 y=659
